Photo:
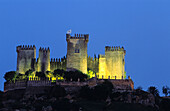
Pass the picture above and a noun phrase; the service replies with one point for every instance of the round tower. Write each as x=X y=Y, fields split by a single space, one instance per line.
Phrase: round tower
x=77 y=52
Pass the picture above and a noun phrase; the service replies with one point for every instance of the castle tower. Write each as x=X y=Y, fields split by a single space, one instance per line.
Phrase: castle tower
x=26 y=56
x=43 y=60
x=77 y=52
x=115 y=63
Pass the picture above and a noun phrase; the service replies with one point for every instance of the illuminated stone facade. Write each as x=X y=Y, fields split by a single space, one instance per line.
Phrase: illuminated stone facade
x=112 y=65
x=25 y=58
x=108 y=66
x=77 y=52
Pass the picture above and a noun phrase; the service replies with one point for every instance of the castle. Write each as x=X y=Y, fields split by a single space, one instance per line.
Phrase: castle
x=108 y=66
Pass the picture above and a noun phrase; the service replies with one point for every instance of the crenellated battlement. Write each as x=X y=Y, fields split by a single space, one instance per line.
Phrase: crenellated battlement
x=44 y=49
x=115 y=48
x=90 y=58
x=58 y=59
x=78 y=36
x=95 y=58
x=26 y=47
x=55 y=60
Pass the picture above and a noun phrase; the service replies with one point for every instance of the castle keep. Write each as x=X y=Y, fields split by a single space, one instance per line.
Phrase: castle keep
x=108 y=66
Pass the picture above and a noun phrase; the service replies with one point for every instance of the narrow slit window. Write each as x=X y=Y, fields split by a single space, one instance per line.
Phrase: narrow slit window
x=77 y=51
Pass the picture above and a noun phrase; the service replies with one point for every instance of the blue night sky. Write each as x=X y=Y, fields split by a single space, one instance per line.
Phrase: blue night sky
x=141 y=26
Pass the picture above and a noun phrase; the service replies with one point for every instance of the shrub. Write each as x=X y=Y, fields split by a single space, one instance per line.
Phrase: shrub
x=21 y=76
x=10 y=76
x=99 y=92
x=40 y=74
x=59 y=72
x=30 y=73
x=75 y=75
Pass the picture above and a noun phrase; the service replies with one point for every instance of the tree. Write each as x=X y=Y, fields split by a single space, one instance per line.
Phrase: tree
x=153 y=90
x=49 y=74
x=21 y=76
x=90 y=73
x=10 y=76
x=30 y=73
x=165 y=90
x=59 y=73
x=139 y=88
x=40 y=74
x=75 y=75
x=125 y=75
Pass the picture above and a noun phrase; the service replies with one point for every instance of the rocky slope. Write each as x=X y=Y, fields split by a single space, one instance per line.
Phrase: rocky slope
x=58 y=99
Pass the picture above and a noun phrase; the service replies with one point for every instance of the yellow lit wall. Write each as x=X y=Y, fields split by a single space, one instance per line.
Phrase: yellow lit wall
x=102 y=67
x=115 y=63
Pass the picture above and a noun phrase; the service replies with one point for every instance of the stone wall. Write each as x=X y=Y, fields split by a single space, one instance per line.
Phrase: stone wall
x=39 y=82
x=58 y=64
x=119 y=84
x=30 y=82
x=15 y=85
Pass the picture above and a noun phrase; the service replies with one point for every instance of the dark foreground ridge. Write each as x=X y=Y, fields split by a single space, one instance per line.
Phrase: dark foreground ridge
x=101 y=97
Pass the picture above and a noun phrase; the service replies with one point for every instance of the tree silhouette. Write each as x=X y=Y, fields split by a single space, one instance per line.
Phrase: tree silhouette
x=75 y=75
x=40 y=74
x=29 y=73
x=20 y=77
x=153 y=90
x=59 y=72
x=139 y=88
x=10 y=76
x=165 y=90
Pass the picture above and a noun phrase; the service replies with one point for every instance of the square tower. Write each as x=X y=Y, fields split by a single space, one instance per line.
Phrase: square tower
x=43 y=64
x=77 y=52
x=115 y=62
x=26 y=56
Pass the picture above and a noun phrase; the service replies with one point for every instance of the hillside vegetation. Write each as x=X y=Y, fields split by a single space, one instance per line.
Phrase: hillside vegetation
x=97 y=98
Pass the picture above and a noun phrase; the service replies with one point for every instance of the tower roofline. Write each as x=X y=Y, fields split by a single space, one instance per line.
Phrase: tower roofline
x=115 y=48
x=26 y=47
x=77 y=36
